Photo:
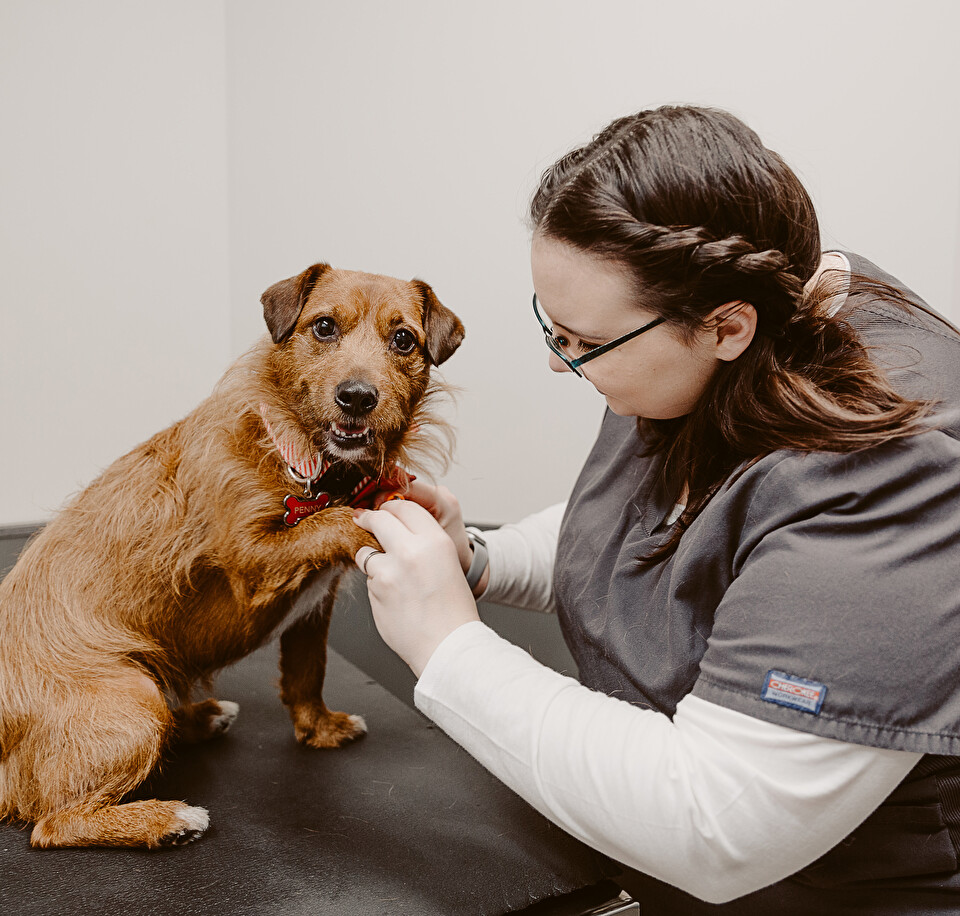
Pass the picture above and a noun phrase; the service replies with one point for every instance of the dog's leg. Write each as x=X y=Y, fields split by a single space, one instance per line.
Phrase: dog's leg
x=303 y=663
x=143 y=823
x=108 y=736
x=196 y=722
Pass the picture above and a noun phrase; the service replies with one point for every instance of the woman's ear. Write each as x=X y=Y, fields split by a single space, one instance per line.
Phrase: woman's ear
x=735 y=325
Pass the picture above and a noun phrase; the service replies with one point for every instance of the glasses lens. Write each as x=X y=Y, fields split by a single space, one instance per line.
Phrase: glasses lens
x=548 y=336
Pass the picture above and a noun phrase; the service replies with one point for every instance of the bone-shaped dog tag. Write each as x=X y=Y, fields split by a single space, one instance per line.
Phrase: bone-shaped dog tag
x=301 y=508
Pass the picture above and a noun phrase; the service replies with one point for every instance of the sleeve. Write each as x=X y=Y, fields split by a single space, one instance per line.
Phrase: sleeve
x=712 y=786
x=522 y=557
x=843 y=614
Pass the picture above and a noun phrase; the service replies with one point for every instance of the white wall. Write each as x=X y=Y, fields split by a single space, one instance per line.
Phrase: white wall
x=155 y=155
x=406 y=138
x=113 y=233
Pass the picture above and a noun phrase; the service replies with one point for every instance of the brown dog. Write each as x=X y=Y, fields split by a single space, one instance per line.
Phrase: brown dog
x=187 y=553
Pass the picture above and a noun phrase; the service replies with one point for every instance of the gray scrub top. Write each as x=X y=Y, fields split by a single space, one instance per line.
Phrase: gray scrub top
x=815 y=590
x=820 y=591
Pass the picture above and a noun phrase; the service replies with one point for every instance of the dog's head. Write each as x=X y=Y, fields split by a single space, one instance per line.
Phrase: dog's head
x=352 y=357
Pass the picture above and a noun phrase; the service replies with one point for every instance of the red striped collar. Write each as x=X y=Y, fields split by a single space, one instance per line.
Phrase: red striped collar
x=355 y=489
x=304 y=470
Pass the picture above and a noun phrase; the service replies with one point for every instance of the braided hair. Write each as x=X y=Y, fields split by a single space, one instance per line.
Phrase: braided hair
x=700 y=213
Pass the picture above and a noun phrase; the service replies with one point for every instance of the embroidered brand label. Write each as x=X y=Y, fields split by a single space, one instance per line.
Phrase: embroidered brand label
x=795 y=692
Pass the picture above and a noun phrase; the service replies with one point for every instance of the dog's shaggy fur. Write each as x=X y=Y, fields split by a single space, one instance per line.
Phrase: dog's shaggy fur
x=176 y=561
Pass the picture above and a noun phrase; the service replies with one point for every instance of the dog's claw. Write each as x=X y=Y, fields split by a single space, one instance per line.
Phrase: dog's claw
x=193 y=823
x=182 y=838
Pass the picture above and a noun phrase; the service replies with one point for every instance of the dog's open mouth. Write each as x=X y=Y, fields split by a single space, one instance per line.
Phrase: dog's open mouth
x=349 y=435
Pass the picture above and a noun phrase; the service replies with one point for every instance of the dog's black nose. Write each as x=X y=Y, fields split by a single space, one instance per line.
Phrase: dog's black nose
x=356 y=398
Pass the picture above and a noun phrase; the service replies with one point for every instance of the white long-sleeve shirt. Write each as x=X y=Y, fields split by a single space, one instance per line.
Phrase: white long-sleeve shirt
x=712 y=801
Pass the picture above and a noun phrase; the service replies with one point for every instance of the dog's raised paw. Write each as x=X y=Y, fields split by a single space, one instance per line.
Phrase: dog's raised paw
x=191 y=824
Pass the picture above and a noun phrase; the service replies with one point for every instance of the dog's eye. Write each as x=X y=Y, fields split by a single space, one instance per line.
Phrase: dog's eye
x=404 y=341
x=324 y=328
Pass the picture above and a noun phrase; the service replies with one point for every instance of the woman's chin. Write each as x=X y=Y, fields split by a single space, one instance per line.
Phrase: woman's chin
x=619 y=408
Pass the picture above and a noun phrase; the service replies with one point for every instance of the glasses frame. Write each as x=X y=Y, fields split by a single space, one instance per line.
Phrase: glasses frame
x=575 y=364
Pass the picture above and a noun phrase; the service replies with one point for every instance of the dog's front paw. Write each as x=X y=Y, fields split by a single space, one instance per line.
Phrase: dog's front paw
x=360 y=538
x=322 y=728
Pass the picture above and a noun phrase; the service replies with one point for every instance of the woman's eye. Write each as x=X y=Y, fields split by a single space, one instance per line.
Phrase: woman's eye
x=324 y=328
x=404 y=341
x=561 y=341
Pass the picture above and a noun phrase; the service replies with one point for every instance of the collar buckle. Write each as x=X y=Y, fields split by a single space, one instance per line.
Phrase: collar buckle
x=306 y=482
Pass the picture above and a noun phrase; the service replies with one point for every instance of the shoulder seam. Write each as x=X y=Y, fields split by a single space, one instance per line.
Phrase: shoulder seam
x=900 y=319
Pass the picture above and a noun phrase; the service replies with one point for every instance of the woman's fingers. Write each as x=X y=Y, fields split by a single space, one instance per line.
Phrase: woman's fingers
x=396 y=521
x=423 y=493
x=438 y=501
x=364 y=555
x=417 y=591
x=414 y=516
x=386 y=528
x=445 y=508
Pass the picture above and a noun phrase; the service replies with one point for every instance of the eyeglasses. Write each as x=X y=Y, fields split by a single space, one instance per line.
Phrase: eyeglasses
x=575 y=364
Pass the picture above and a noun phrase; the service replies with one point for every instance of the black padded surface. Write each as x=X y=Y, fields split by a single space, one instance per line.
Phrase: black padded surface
x=402 y=822
x=354 y=635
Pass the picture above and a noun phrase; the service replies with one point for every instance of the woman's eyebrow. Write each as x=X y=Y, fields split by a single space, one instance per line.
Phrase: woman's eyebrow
x=572 y=333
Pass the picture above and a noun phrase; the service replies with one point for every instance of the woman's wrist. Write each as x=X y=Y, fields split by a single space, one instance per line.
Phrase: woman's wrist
x=477 y=570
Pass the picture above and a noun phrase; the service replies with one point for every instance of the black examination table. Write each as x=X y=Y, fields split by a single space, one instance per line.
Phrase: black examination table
x=401 y=822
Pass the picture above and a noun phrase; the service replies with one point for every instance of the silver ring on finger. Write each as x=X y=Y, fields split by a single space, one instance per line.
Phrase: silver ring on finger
x=363 y=558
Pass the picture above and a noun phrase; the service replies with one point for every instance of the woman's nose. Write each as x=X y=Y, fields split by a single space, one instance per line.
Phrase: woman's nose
x=557 y=364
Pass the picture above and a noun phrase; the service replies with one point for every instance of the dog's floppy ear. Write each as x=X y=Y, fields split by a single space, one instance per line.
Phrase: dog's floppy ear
x=283 y=302
x=444 y=331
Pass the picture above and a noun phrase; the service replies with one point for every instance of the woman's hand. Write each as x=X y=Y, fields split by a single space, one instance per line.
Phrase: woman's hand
x=445 y=508
x=417 y=590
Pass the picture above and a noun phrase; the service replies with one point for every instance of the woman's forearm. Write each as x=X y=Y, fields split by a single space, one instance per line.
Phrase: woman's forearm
x=714 y=801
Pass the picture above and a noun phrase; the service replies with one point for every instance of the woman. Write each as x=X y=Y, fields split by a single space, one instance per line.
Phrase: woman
x=757 y=571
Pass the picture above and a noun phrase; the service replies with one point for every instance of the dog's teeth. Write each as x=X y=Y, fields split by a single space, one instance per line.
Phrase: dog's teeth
x=350 y=433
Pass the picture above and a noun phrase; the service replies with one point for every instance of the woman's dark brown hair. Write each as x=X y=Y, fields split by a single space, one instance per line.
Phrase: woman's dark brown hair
x=700 y=214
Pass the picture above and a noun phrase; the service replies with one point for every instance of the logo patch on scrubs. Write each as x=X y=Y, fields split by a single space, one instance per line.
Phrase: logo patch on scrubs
x=795 y=692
